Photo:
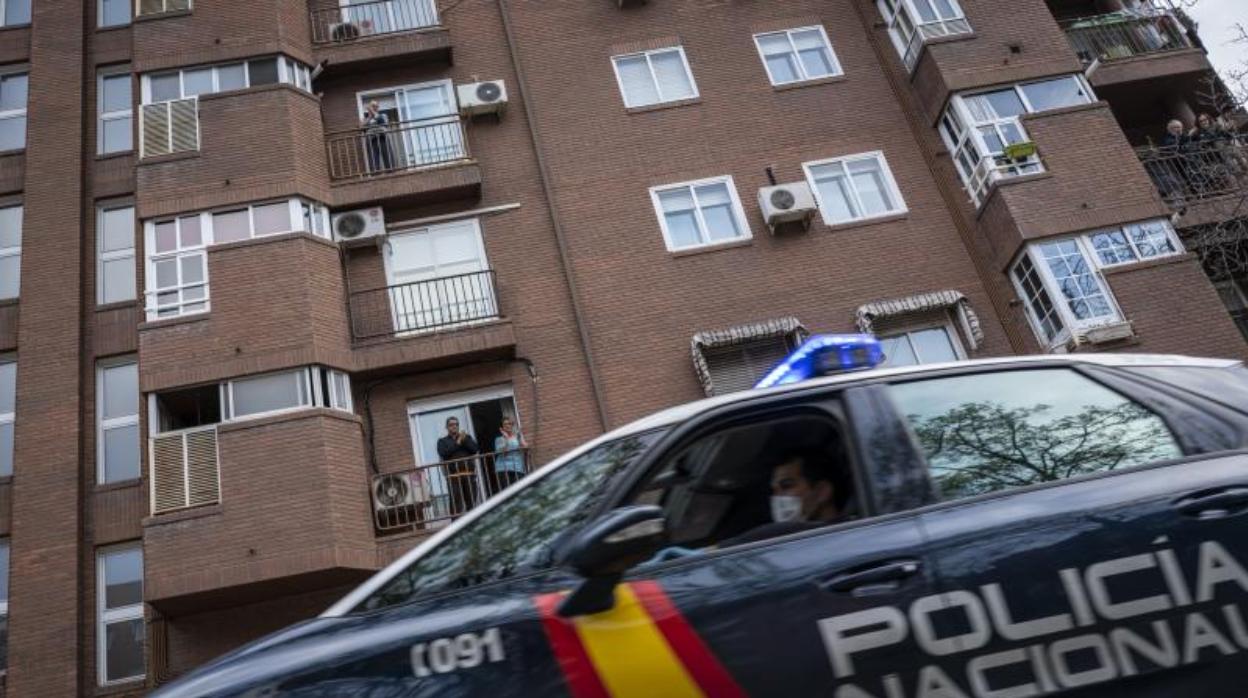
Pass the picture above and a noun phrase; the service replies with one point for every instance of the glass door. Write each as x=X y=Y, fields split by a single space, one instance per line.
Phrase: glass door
x=386 y=16
x=433 y=483
x=437 y=277
x=431 y=133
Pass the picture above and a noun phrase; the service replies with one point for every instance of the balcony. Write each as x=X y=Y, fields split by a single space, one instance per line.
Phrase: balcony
x=409 y=162
x=1202 y=184
x=430 y=496
x=928 y=32
x=362 y=35
x=1122 y=48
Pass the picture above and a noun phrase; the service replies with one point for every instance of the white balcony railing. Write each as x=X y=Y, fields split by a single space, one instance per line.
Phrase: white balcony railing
x=928 y=31
x=185 y=470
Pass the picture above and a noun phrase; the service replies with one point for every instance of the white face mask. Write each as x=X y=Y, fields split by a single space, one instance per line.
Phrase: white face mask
x=785 y=507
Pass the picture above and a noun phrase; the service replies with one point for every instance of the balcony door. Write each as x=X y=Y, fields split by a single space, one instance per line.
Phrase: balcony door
x=387 y=16
x=424 y=123
x=438 y=276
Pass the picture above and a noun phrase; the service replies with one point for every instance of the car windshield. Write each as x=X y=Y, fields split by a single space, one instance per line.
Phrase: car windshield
x=519 y=535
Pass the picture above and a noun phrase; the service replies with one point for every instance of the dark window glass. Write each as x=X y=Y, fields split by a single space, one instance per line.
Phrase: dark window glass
x=263 y=72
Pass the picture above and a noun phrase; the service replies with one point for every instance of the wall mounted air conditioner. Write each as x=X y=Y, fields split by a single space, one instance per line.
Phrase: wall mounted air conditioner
x=487 y=97
x=359 y=225
x=787 y=208
x=393 y=493
x=1103 y=334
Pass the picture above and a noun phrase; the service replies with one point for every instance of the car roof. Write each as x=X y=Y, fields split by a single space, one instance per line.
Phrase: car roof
x=680 y=413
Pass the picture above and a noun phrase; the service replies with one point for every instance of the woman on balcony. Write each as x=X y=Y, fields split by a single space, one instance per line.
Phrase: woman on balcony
x=509 y=454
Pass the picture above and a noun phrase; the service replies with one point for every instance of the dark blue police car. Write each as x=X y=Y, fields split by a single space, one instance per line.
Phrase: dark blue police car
x=1061 y=525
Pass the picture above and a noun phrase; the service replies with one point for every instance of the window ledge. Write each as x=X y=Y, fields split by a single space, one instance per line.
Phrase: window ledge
x=828 y=80
x=1073 y=109
x=115 y=155
x=14 y=151
x=162 y=15
x=1008 y=182
x=664 y=105
x=6 y=27
x=171 y=321
x=114 y=486
x=184 y=515
x=848 y=225
x=128 y=687
x=270 y=239
x=115 y=27
x=1148 y=263
x=116 y=305
x=10 y=301
x=703 y=249
x=271 y=87
x=286 y=416
x=171 y=157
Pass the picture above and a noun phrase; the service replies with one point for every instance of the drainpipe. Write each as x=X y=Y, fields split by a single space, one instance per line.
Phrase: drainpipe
x=560 y=237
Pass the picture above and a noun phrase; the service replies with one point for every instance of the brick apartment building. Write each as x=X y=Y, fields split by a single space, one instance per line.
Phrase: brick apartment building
x=244 y=314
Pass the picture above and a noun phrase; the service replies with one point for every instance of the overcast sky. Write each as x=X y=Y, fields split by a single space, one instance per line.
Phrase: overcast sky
x=1217 y=20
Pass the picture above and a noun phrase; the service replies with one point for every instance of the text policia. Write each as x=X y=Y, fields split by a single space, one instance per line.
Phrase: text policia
x=1040 y=664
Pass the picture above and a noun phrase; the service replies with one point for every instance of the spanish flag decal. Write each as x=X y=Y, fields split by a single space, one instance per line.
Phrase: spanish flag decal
x=642 y=647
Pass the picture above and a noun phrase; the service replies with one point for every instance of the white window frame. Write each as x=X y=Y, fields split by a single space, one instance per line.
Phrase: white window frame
x=307 y=394
x=648 y=55
x=284 y=76
x=105 y=616
x=1167 y=229
x=738 y=212
x=103 y=116
x=455 y=400
x=103 y=425
x=955 y=339
x=338 y=380
x=101 y=257
x=190 y=5
x=99 y=15
x=889 y=180
x=4 y=10
x=151 y=292
x=18 y=113
x=801 y=67
x=910 y=47
x=10 y=417
x=16 y=251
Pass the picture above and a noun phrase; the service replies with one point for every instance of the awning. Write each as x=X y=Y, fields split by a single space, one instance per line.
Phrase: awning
x=948 y=300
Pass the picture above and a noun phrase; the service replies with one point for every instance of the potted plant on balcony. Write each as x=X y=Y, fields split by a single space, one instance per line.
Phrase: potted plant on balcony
x=1020 y=151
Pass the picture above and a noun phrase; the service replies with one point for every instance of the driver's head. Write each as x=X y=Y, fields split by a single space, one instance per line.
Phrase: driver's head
x=802 y=489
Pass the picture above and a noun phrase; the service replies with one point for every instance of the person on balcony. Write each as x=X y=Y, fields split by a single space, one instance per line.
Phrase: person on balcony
x=376 y=127
x=509 y=454
x=1216 y=153
x=458 y=451
x=1169 y=167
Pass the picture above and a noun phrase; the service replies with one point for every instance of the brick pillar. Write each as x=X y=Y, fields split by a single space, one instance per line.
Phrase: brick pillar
x=44 y=647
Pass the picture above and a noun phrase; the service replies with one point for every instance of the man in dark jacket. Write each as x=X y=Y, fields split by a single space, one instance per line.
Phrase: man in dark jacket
x=457 y=449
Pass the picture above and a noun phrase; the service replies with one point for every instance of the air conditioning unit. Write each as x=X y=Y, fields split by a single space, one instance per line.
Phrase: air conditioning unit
x=359 y=225
x=395 y=495
x=1103 y=334
x=488 y=97
x=787 y=207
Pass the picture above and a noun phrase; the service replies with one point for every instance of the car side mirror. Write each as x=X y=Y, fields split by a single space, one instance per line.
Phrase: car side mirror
x=608 y=548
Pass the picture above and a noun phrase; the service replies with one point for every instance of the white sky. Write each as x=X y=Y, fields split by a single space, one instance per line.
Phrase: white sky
x=1217 y=20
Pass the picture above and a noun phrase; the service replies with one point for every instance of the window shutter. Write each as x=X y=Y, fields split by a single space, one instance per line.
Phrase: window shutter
x=201 y=468
x=184 y=123
x=184 y=470
x=155 y=129
x=740 y=367
x=168 y=480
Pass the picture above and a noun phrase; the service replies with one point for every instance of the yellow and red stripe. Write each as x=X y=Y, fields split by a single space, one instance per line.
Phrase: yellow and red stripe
x=643 y=646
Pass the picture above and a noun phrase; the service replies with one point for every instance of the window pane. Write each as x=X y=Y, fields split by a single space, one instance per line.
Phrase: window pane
x=123 y=577
x=230 y=226
x=782 y=68
x=121 y=453
x=773 y=44
x=267 y=393
x=164 y=87
x=934 y=345
x=166 y=273
x=115 y=93
x=682 y=228
x=13 y=92
x=996 y=105
x=116 y=229
x=6 y=449
x=11 y=226
x=1111 y=247
x=263 y=71
x=120 y=386
x=10 y=276
x=677 y=200
x=638 y=84
x=192 y=269
x=1076 y=280
x=838 y=204
x=871 y=188
x=8 y=386
x=166 y=235
x=124 y=649
x=13 y=133
x=190 y=231
x=816 y=58
x=1152 y=239
x=119 y=282
x=117 y=135
x=231 y=77
x=674 y=81
x=272 y=218
x=897 y=351
x=990 y=432
x=114 y=12
x=16 y=12
x=716 y=203
x=1052 y=94
x=198 y=81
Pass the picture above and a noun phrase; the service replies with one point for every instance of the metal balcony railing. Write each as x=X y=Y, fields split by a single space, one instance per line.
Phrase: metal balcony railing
x=405 y=145
x=423 y=306
x=364 y=19
x=1118 y=35
x=1195 y=173
x=185 y=471
x=932 y=30
x=428 y=494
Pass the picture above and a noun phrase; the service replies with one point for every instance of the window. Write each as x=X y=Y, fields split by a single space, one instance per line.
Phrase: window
x=283 y=391
x=991 y=432
x=13 y=111
x=700 y=213
x=118 y=456
x=191 y=82
x=177 y=272
x=741 y=366
x=854 y=188
x=912 y=23
x=521 y=533
x=10 y=251
x=1069 y=269
x=797 y=54
x=120 y=631
x=8 y=409
x=115 y=241
x=922 y=346
x=14 y=13
x=155 y=7
x=116 y=112
x=654 y=77
x=114 y=13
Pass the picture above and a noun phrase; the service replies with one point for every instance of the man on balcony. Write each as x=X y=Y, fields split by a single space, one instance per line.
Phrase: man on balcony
x=377 y=138
x=458 y=450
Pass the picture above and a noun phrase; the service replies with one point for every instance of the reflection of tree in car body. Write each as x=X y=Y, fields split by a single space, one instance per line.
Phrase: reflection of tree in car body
x=981 y=447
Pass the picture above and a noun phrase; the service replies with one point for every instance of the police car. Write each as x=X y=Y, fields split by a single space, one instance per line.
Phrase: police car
x=1073 y=525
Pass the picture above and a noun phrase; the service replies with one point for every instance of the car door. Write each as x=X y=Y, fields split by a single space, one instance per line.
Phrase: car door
x=805 y=614
x=1064 y=546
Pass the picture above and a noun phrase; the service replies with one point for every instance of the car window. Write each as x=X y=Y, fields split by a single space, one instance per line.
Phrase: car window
x=519 y=535
x=1228 y=386
x=987 y=432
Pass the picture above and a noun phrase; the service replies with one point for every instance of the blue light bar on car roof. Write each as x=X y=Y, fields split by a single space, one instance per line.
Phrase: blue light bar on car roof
x=825 y=354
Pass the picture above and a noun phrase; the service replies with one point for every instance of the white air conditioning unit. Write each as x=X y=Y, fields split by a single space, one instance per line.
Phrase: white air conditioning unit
x=394 y=493
x=1103 y=334
x=787 y=207
x=359 y=225
x=488 y=97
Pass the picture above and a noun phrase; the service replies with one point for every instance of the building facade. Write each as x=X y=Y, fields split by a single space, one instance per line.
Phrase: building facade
x=255 y=258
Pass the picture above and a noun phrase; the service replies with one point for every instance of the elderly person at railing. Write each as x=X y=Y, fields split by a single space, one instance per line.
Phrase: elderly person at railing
x=377 y=138
x=509 y=448
x=1168 y=166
